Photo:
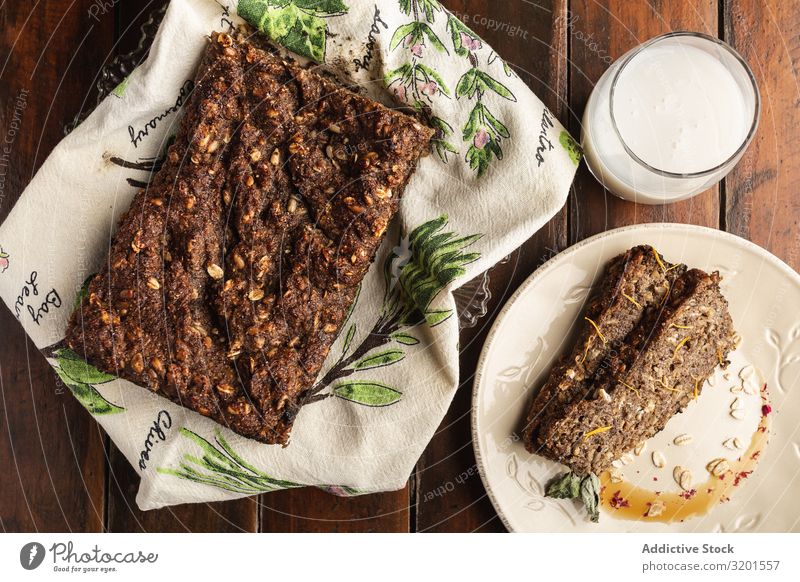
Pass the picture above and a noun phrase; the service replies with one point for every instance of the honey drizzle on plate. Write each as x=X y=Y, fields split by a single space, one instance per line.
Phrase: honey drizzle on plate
x=682 y=506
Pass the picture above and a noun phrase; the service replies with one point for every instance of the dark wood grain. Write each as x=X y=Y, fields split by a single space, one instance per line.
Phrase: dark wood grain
x=51 y=450
x=313 y=510
x=762 y=191
x=615 y=27
x=538 y=54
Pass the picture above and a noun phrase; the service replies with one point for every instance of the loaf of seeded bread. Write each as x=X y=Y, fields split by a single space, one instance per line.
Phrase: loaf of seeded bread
x=634 y=282
x=231 y=275
x=651 y=375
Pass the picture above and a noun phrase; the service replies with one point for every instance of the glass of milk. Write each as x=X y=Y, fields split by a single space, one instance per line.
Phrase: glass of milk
x=670 y=118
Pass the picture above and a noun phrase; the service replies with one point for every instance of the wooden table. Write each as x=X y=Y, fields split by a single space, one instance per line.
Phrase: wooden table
x=58 y=471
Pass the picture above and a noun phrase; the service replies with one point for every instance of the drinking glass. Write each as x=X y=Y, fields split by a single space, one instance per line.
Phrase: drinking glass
x=615 y=162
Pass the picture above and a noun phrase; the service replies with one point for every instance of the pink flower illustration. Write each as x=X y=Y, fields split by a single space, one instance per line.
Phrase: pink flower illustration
x=399 y=92
x=430 y=88
x=481 y=139
x=3 y=260
x=470 y=43
x=415 y=47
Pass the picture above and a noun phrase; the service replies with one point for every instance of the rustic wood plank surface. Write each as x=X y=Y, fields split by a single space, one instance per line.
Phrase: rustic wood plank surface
x=52 y=463
x=617 y=26
x=56 y=473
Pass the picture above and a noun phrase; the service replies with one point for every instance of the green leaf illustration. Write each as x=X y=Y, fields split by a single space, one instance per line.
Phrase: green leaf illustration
x=323 y=7
x=480 y=158
x=473 y=122
x=486 y=81
x=379 y=360
x=440 y=124
x=119 y=90
x=434 y=40
x=402 y=32
x=78 y=370
x=437 y=259
x=499 y=128
x=436 y=317
x=299 y=25
x=348 y=339
x=405 y=339
x=307 y=37
x=402 y=73
x=368 y=393
x=430 y=6
x=431 y=74
x=474 y=83
x=467 y=83
x=573 y=148
x=456 y=27
x=88 y=396
x=441 y=146
x=427 y=7
x=222 y=467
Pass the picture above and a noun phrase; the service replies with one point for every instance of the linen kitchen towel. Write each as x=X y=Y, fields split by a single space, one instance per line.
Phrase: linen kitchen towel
x=501 y=166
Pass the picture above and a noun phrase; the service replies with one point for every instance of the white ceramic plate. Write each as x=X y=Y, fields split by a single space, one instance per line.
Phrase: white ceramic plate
x=535 y=327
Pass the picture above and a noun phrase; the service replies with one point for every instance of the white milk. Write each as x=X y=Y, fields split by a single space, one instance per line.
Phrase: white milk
x=683 y=105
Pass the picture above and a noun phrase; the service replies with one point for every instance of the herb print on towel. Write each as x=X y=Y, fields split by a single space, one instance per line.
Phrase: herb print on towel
x=77 y=374
x=483 y=129
x=415 y=272
x=298 y=25
x=222 y=467
x=414 y=82
x=81 y=378
x=4 y=260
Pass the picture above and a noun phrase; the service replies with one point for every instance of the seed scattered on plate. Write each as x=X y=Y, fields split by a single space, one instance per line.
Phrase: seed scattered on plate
x=656 y=508
x=737 y=413
x=749 y=388
x=626 y=459
x=747 y=372
x=683 y=439
x=640 y=448
x=615 y=475
x=736 y=403
x=658 y=459
x=617 y=464
x=736 y=389
x=718 y=467
x=732 y=443
x=683 y=477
